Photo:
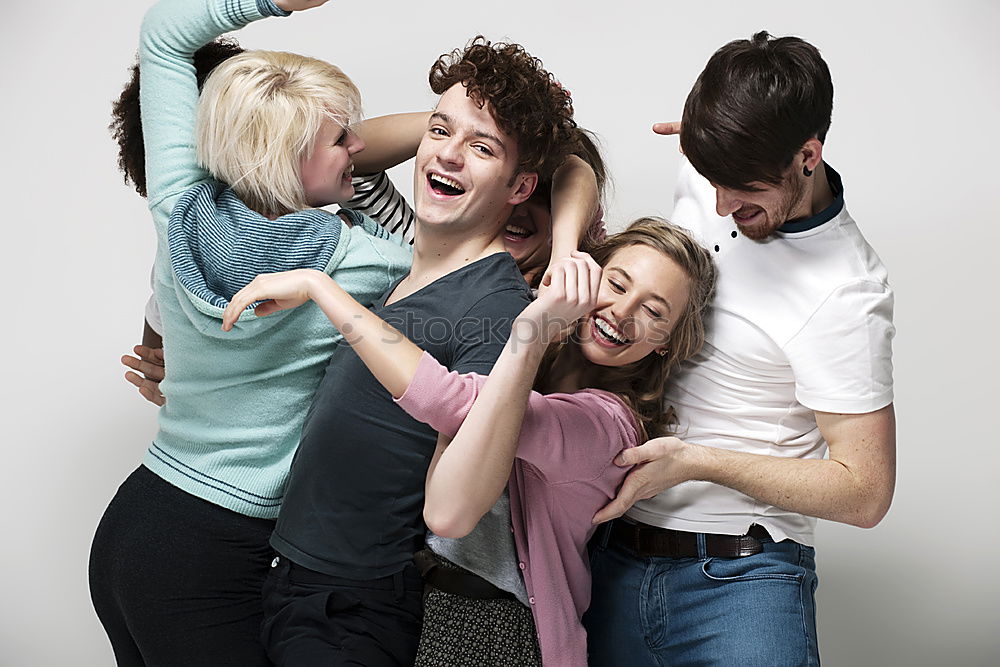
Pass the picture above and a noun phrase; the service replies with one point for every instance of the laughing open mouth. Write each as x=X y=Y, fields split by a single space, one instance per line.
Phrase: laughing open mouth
x=518 y=232
x=608 y=332
x=746 y=214
x=444 y=185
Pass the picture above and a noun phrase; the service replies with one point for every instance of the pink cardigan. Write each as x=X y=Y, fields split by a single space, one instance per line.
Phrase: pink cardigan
x=562 y=475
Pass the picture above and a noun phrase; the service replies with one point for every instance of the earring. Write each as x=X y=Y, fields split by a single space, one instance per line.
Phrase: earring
x=662 y=352
x=806 y=171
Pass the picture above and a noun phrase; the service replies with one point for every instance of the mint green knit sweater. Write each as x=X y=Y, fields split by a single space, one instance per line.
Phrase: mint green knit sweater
x=235 y=401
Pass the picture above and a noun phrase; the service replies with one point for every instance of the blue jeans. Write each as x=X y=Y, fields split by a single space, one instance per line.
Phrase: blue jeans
x=753 y=611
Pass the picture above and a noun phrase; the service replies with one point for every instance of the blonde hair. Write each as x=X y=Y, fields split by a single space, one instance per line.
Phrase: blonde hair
x=258 y=116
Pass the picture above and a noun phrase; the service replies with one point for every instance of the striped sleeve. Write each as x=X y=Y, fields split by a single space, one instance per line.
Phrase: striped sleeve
x=377 y=197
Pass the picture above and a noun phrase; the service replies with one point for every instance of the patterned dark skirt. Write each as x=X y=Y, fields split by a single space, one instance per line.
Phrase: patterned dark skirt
x=467 y=632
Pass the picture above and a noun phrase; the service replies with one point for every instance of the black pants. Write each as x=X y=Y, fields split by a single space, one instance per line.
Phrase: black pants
x=311 y=618
x=177 y=580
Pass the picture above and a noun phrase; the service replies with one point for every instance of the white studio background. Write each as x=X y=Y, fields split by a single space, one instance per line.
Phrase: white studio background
x=915 y=135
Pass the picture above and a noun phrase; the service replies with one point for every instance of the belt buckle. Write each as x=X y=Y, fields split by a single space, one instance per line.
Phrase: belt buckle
x=748 y=545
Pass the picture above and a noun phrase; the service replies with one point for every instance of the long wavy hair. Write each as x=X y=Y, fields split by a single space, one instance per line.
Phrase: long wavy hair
x=642 y=383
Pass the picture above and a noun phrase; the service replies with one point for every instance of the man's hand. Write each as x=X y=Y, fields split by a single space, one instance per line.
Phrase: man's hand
x=668 y=128
x=298 y=5
x=149 y=364
x=659 y=464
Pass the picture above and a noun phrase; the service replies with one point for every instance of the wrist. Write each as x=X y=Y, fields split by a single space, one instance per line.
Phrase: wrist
x=317 y=283
x=563 y=243
x=528 y=338
x=699 y=461
x=273 y=7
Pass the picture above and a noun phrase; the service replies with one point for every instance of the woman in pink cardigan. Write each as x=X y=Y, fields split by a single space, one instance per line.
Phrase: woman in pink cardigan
x=596 y=347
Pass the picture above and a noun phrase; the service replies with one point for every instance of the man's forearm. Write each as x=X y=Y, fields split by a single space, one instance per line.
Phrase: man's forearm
x=150 y=338
x=826 y=489
x=855 y=485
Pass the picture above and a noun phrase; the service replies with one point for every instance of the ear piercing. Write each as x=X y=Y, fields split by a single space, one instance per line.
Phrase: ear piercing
x=806 y=171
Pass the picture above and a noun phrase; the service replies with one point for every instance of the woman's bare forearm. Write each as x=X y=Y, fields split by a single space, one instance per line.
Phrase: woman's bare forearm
x=389 y=140
x=390 y=356
x=472 y=471
x=575 y=202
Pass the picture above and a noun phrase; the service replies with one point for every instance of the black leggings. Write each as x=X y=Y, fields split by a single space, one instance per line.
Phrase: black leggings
x=177 y=580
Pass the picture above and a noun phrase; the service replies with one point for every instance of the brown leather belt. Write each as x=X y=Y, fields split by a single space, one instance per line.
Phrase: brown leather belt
x=450 y=578
x=647 y=540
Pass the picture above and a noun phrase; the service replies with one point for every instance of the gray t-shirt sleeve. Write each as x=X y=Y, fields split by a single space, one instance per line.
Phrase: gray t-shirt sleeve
x=480 y=334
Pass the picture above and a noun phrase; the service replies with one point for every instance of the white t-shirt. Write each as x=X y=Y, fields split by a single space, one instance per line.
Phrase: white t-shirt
x=801 y=322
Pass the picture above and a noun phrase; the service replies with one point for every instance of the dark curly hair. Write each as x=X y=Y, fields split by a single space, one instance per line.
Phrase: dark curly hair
x=126 y=120
x=524 y=99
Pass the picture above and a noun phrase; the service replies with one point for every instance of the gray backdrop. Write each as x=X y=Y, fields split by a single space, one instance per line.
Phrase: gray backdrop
x=914 y=135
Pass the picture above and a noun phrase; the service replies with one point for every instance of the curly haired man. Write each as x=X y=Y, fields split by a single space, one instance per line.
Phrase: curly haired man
x=343 y=588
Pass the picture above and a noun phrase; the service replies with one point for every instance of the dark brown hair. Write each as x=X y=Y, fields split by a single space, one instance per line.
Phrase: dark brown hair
x=641 y=384
x=126 y=118
x=523 y=98
x=756 y=103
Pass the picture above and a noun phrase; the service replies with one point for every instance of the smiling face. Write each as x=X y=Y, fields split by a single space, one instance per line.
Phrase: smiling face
x=464 y=177
x=326 y=172
x=643 y=295
x=527 y=234
x=759 y=212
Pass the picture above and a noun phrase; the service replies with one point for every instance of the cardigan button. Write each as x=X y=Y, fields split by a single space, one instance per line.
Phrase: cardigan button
x=531 y=600
x=521 y=565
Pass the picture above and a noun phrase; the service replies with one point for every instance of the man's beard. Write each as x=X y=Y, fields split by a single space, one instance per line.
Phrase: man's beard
x=781 y=214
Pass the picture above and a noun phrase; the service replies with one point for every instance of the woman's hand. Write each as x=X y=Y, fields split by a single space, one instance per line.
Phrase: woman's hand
x=569 y=291
x=279 y=291
x=298 y=5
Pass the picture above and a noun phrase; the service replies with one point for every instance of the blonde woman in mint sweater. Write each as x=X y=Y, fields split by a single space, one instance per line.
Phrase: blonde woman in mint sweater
x=631 y=322
x=180 y=554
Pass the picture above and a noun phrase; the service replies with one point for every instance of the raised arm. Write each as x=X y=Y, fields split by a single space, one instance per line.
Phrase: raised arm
x=389 y=140
x=470 y=474
x=172 y=31
x=477 y=463
x=575 y=204
x=391 y=357
x=376 y=196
